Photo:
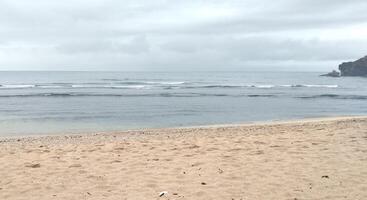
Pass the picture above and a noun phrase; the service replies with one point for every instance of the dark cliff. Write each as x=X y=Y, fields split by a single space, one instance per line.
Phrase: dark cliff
x=356 y=68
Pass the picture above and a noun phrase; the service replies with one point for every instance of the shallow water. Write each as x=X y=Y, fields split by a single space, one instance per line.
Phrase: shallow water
x=74 y=102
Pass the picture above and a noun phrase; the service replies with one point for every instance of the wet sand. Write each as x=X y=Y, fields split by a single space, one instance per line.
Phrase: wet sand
x=305 y=159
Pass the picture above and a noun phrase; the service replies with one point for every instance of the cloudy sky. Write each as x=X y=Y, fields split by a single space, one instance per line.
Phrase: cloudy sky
x=136 y=35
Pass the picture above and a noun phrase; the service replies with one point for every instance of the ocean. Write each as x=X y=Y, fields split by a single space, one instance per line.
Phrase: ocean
x=38 y=103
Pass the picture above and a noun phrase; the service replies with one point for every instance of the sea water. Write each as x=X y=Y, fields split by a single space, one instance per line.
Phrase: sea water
x=77 y=102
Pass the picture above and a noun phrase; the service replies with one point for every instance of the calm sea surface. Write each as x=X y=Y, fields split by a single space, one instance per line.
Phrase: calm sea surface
x=76 y=102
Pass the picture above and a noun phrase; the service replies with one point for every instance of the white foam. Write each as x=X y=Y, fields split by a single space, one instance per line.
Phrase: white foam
x=50 y=86
x=263 y=86
x=126 y=87
x=80 y=86
x=311 y=86
x=17 y=86
x=166 y=82
x=326 y=86
x=111 y=86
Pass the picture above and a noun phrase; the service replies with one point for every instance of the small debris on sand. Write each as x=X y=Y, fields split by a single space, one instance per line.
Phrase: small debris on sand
x=163 y=193
x=37 y=165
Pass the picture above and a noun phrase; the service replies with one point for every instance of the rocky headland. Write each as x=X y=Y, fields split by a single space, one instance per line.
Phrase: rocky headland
x=356 y=68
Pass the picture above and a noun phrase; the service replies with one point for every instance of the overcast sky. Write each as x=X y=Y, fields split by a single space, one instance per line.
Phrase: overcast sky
x=136 y=35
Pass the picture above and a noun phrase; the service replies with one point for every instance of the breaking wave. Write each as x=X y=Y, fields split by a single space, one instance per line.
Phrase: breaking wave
x=311 y=86
x=135 y=95
x=152 y=84
x=17 y=86
x=335 y=96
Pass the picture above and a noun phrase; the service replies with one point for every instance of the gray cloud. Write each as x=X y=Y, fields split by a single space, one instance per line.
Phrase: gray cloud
x=178 y=35
x=132 y=45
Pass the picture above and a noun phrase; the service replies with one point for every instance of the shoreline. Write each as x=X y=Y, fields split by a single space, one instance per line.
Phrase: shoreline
x=318 y=158
x=210 y=126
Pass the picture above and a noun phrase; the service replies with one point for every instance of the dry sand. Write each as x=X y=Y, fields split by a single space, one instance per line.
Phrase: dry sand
x=313 y=159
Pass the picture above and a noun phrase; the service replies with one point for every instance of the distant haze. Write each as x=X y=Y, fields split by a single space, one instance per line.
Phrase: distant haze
x=175 y=35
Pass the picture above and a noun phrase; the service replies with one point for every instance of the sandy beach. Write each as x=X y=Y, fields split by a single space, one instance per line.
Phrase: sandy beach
x=309 y=159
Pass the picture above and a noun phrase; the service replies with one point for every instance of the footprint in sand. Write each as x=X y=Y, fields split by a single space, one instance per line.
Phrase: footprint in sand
x=75 y=166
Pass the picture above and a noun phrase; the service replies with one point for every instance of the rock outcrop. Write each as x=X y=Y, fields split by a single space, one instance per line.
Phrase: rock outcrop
x=334 y=73
x=356 y=68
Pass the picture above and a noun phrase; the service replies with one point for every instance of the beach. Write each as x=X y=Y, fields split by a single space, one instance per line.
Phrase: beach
x=303 y=159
